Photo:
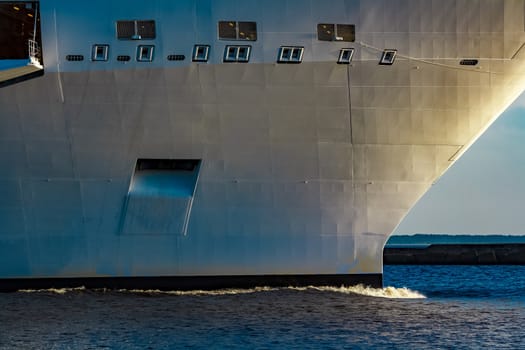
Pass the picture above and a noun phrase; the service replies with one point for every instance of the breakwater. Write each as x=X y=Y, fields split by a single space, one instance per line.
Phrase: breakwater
x=455 y=254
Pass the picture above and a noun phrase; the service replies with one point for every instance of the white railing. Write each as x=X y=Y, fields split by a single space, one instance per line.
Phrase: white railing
x=34 y=51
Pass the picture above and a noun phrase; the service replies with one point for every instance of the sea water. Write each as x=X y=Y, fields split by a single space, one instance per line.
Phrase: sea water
x=422 y=307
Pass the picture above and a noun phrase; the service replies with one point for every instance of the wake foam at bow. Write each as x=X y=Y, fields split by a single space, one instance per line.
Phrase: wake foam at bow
x=387 y=292
x=199 y=292
x=53 y=290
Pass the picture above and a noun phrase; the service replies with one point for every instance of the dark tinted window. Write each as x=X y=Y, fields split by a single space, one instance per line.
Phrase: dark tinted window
x=248 y=31
x=231 y=30
x=125 y=29
x=228 y=30
x=146 y=29
x=346 y=32
x=136 y=29
x=335 y=32
x=325 y=32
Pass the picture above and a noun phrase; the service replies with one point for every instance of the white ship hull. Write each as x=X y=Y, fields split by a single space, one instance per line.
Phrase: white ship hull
x=301 y=169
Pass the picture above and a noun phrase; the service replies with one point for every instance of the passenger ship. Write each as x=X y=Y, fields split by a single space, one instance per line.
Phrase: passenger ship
x=217 y=143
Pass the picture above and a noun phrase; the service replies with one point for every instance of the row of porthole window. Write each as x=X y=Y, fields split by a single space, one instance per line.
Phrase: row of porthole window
x=232 y=53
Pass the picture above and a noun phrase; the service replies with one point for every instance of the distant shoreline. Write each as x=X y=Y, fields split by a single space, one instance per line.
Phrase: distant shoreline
x=456 y=254
x=428 y=239
x=446 y=249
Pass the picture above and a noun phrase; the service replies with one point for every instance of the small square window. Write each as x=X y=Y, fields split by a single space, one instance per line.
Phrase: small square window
x=244 y=53
x=200 y=53
x=286 y=52
x=230 y=53
x=296 y=55
x=388 y=57
x=145 y=53
x=345 y=56
x=100 y=53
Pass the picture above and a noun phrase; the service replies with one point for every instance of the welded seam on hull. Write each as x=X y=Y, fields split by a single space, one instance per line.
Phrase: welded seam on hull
x=59 y=78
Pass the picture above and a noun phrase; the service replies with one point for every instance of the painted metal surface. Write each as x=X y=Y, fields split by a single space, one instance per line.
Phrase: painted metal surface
x=306 y=168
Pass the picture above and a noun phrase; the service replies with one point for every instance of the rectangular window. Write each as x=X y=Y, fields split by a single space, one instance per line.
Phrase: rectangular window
x=232 y=30
x=136 y=30
x=345 y=56
x=100 y=53
x=290 y=54
x=388 y=57
x=200 y=53
x=145 y=53
x=234 y=53
x=244 y=53
x=230 y=53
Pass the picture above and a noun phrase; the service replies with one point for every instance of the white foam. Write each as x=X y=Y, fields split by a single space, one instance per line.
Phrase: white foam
x=199 y=292
x=53 y=290
x=387 y=292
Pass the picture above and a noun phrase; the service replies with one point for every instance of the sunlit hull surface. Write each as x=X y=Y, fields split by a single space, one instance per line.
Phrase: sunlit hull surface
x=301 y=171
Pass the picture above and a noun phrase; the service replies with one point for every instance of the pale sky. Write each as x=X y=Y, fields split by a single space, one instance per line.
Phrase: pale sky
x=484 y=191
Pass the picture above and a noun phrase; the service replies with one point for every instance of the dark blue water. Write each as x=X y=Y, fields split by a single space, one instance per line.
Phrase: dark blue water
x=465 y=307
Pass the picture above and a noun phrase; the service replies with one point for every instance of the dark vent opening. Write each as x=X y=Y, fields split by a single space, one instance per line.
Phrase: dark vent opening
x=176 y=57
x=167 y=164
x=74 y=58
x=123 y=58
x=469 y=62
